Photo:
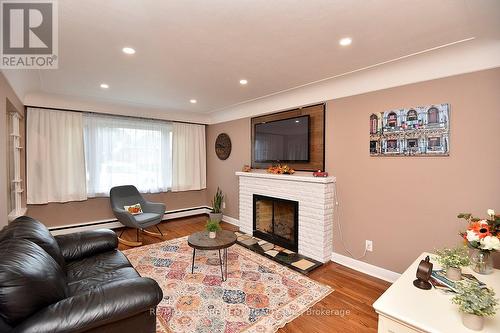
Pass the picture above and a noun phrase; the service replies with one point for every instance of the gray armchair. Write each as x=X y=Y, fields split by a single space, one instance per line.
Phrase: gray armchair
x=127 y=195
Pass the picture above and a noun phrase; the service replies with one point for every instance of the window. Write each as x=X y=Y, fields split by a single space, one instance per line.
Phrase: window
x=373 y=124
x=434 y=143
x=121 y=150
x=432 y=116
x=411 y=115
x=392 y=119
x=392 y=145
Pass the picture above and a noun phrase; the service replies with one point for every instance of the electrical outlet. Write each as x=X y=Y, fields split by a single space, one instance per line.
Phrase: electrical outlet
x=369 y=245
x=223 y=204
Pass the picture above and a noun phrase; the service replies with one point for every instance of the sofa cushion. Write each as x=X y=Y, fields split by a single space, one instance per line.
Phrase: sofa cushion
x=30 y=279
x=98 y=264
x=97 y=280
x=28 y=228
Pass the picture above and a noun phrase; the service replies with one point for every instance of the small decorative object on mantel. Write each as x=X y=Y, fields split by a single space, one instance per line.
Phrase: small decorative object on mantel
x=452 y=260
x=424 y=272
x=216 y=213
x=212 y=228
x=223 y=146
x=246 y=168
x=280 y=169
x=320 y=173
x=475 y=303
x=483 y=237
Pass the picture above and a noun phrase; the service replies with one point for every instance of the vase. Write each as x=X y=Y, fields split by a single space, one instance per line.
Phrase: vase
x=212 y=234
x=482 y=262
x=472 y=321
x=454 y=273
x=216 y=217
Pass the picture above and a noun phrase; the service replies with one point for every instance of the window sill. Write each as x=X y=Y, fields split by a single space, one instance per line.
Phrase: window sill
x=12 y=216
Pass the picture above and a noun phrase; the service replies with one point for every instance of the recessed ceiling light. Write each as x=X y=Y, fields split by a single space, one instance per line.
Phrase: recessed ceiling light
x=104 y=85
x=345 y=41
x=297 y=121
x=128 y=50
x=193 y=101
x=243 y=82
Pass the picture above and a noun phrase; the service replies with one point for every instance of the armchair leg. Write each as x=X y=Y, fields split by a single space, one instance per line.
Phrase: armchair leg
x=154 y=234
x=161 y=233
x=127 y=242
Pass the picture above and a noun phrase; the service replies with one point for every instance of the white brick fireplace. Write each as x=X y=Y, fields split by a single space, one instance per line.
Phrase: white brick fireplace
x=315 y=196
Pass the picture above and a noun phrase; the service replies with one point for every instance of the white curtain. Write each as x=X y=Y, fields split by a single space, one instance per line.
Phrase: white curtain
x=55 y=156
x=123 y=151
x=189 y=170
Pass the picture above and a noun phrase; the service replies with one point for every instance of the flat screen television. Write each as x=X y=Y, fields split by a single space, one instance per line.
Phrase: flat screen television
x=285 y=140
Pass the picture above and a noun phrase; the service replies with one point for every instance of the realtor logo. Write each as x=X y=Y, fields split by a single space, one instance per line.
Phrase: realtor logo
x=29 y=34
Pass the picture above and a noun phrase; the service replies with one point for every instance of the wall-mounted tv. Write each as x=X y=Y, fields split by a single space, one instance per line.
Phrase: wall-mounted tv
x=285 y=140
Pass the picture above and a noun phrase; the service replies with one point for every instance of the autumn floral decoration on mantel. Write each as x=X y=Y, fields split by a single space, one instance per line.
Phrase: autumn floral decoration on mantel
x=280 y=169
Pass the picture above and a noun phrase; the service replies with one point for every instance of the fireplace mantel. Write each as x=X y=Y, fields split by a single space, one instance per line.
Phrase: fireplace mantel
x=315 y=196
x=299 y=176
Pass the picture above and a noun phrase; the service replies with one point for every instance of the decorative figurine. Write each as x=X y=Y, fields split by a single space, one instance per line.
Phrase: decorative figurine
x=320 y=173
x=424 y=271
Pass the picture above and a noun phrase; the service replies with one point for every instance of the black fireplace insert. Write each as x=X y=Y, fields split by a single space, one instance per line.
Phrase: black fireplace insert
x=276 y=220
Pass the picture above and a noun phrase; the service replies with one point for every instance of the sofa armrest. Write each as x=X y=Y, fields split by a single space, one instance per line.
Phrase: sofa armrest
x=86 y=243
x=99 y=306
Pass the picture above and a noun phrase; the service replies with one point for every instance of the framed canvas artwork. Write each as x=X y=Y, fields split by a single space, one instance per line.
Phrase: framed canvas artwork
x=419 y=131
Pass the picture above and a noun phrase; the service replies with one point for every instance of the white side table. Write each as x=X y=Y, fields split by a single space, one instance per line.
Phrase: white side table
x=404 y=308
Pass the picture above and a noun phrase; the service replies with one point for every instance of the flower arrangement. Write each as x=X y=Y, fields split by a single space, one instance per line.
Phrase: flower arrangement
x=484 y=234
x=473 y=299
x=280 y=169
x=453 y=258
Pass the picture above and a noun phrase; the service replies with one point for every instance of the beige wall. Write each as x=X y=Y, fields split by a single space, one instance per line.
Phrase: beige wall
x=404 y=205
x=60 y=214
x=7 y=96
x=221 y=173
x=409 y=205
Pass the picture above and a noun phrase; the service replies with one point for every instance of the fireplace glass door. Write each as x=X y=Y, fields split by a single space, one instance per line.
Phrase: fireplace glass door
x=276 y=220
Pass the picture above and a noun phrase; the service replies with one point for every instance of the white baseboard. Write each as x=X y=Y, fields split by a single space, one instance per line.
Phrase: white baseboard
x=113 y=223
x=363 y=267
x=231 y=220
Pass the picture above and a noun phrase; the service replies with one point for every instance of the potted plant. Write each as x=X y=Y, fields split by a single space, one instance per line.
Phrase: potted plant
x=212 y=227
x=216 y=213
x=483 y=237
x=475 y=303
x=452 y=260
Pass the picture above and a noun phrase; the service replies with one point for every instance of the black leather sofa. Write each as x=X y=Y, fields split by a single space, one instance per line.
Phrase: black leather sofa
x=70 y=283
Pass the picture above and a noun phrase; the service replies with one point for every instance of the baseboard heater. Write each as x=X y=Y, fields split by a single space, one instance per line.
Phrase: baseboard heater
x=113 y=223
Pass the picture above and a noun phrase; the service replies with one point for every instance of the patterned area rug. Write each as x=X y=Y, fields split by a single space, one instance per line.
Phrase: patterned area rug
x=259 y=295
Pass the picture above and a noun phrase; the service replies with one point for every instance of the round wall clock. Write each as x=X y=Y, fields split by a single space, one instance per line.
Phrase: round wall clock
x=223 y=146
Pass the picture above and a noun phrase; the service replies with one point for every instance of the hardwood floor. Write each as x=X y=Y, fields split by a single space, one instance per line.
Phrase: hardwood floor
x=347 y=309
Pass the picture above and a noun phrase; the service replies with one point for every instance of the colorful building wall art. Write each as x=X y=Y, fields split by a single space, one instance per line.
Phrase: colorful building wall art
x=419 y=131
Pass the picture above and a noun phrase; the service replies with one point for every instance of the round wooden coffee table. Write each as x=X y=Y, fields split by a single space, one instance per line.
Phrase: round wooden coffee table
x=223 y=240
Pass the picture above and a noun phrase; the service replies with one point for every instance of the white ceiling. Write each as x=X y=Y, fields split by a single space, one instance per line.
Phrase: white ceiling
x=198 y=49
